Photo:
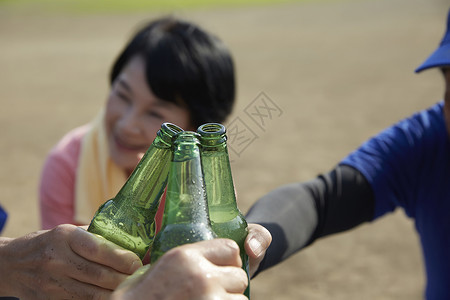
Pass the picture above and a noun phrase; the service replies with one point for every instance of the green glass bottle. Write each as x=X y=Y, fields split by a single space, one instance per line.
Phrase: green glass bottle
x=128 y=219
x=186 y=218
x=227 y=220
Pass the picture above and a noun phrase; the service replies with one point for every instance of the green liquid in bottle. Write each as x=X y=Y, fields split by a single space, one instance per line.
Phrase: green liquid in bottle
x=128 y=231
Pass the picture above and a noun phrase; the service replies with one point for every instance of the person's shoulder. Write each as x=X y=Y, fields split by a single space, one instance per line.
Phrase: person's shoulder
x=69 y=147
x=435 y=112
x=72 y=139
x=408 y=138
x=427 y=122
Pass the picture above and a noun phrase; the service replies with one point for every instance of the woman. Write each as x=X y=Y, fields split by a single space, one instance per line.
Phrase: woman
x=170 y=71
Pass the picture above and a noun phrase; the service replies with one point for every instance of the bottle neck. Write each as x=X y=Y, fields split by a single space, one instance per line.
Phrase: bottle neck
x=217 y=174
x=148 y=180
x=146 y=184
x=186 y=200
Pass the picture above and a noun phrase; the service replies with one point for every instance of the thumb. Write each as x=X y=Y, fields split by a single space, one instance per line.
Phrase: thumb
x=256 y=244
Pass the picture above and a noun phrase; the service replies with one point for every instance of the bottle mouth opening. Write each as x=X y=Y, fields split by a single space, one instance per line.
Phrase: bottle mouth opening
x=211 y=129
x=186 y=136
x=172 y=129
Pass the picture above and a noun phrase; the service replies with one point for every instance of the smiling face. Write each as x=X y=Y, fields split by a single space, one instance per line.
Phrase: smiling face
x=134 y=115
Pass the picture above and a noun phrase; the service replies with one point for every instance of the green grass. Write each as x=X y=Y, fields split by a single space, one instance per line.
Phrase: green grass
x=123 y=6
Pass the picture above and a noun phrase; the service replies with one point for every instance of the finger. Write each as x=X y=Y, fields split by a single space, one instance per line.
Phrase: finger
x=222 y=252
x=232 y=279
x=78 y=290
x=256 y=244
x=257 y=241
x=223 y=297
x=64 y=266
x=66 y=289
x=97 y=249
x=234 y=297
x=135 y=278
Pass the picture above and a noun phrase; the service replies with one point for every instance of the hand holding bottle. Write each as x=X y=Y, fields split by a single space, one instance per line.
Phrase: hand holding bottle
x=208 y=269
x=62 y=263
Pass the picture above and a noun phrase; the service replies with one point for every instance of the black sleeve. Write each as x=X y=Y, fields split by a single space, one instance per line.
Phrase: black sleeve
x=299 y=213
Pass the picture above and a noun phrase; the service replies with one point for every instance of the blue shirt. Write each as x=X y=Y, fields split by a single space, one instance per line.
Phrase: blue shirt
x=3 y=217
x=408 y=166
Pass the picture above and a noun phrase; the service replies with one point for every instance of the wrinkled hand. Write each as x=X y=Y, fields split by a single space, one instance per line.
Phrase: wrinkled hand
x=256 y=244
x=204 y=270
x=66 y=262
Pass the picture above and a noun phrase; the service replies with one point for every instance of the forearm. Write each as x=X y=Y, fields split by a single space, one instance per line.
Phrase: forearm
x=297 y=214
x=289 y=213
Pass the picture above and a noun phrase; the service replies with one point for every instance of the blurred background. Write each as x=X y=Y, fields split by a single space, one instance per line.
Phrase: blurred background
x=325 y=76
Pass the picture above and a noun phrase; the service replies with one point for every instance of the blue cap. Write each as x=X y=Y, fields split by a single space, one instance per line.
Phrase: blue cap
x=441 y=56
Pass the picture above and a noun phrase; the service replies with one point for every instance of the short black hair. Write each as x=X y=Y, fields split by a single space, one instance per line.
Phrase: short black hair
x=184 y=63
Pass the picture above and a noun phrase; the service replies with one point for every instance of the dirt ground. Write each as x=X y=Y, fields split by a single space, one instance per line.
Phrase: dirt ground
x=325 y=77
